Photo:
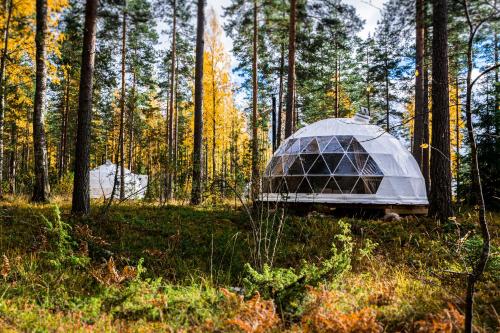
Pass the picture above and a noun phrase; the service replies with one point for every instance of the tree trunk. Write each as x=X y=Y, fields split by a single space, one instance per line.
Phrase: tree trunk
x=255 y=141
x=337 y=111
x=290 y=105
x=457 y=136
x=3 y=60
x=387 y=95
x=13 y=158
x=41 y=187
x=81 y=195
x=130 y=159
x=64 y=131
x=477 y=189
x=280 y=95
x=273 y=120
x=171 y=107
x=121 y=140
x=497 y=92
x=425 y=139
x=214 y=115
x=198 y=107
x=419 y=84
x=440 y=196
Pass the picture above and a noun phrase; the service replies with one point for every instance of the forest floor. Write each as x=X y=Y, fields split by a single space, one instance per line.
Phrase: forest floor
x=146 y=268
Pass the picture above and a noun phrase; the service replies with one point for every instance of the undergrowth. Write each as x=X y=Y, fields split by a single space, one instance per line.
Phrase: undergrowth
x=148 y=268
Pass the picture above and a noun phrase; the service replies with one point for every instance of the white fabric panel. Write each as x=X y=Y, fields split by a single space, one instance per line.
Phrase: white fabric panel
x=102 y=180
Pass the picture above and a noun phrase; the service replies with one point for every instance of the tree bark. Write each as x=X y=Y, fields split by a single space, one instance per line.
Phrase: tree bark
x=131 y=111
x=280 y=96
x=273 y=121
x=171 y=102
x=3 y=60
x=122 y=105
x=426 y=129
x=419 y=84
x=457 y=136
x=440 y=196
x=81 y=195
x=41 y=188
x=13 y=158
x=290 y=105
x=198 y=107
x=255 y=141
x=64 y=131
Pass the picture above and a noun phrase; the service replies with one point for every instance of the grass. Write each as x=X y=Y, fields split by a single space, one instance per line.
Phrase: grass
x=182 y=268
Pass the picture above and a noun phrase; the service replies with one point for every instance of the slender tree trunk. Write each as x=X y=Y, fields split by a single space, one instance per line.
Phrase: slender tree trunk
x=497 y=91
x=480 y=266
x=172 y=102
x=131 y=124
x=426 y=125
x=255 y=141
x=419 y=84
x=387 y=95
x=198 y=107
x=81 y=195
x=214 y=123
x=290 y=98
x=64 y=131
x=425 y=140
x=273 y=120
x=3 y=60
x=457 y=135
x=122 y=105
x=280 y=95
x=13 y=158
x=337 y=111
x=41 y=187
x=440 y=196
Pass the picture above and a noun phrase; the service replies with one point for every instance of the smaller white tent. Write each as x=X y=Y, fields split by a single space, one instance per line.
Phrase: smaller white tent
x=103 y=177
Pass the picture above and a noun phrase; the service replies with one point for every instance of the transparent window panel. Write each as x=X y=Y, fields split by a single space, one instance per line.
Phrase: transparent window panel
x=278 y=185
x=332 y=160
x=288 y=162
x=356 y=147
x=307 y=161
x=293 y=147
x=346 y=183
x=344 y=140
x=278 y=167
x=296 y=167
x=371 y=168
x=319 y=167
x=304 y=187
x=358 y=159
x=372 y=183
x=304 y=142
x=323 y=141
x=333 y=147
x=293 y=182
x=287 y=145
x=332 y=187
x=360 y=188
x=271 y=165
x=345 y=167
x=318 y=183
x=312 y=147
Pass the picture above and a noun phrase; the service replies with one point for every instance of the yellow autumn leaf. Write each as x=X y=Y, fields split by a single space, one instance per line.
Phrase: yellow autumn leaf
x=424 y=146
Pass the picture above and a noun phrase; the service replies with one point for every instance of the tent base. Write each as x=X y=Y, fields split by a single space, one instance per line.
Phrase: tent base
x=364 y=210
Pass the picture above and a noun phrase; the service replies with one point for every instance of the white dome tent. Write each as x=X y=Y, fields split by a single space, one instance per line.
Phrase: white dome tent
x=103 y=177
x=344 y=161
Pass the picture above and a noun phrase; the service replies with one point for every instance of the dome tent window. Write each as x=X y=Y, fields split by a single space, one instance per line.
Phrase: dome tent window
x=343 y=160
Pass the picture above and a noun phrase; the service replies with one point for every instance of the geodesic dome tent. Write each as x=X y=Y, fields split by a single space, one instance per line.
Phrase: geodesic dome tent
x=102 y=179
x=344 y=161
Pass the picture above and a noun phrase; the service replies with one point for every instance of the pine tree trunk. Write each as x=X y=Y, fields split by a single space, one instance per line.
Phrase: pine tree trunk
x=3 y=60
x=131 y=112
x=457 y=136
x=198 y=107
x=64 y=131
x=214 y=115
x=81 y=190
x=497 y=91
x=13 y=158
x=387 y=95
x=425 y=139
x=440 y=195
x=171 y=107
x=419 y=84
x=122 y=105
x=280 y=96
x=273 y=120
x=255 y=141
x=41 y=187
x=337 y=111
x=290 y=105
